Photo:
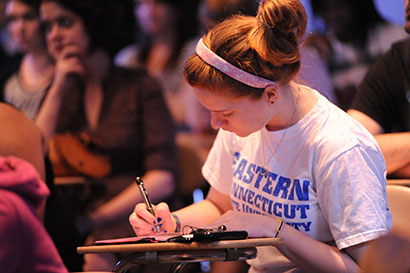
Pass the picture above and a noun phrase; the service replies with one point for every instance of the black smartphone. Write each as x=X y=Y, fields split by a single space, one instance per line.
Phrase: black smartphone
x=210 y=236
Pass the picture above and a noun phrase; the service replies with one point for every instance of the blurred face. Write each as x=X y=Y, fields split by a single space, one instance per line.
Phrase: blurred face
x=338 y=16
x=23 y=25
x=154 y=17
x=63 y=29
x=407 y=15
x=240 y=115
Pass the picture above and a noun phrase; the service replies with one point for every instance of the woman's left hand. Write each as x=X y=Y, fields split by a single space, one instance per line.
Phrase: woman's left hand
x=256 y=225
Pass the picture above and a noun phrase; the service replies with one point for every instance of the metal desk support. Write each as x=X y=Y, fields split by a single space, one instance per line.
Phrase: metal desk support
x=180 y=258
x=181 y=253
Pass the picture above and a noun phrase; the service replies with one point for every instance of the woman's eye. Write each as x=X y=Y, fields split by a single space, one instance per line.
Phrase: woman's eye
x=65 y=22
x=10 y=19
x=227 y=115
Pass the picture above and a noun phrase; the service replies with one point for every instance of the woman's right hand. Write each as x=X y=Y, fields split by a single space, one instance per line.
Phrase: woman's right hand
x=143 y=222
x=70 y=69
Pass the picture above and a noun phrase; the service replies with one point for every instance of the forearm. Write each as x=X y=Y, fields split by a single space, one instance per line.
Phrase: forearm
x=205 y=212
x=396 y=151
x=313 y=256
x=47 y=116
x=402 y=172
x=199 y=214
x=159 y=185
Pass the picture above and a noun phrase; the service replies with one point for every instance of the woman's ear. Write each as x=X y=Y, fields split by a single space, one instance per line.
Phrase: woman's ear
x=271 y=94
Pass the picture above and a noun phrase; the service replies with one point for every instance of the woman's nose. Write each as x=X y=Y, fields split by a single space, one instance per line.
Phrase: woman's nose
x=17 y=25
x=217 y=121
x=53 y=32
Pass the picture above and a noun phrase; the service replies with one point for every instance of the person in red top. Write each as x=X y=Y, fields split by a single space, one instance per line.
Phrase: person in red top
x=25 y=245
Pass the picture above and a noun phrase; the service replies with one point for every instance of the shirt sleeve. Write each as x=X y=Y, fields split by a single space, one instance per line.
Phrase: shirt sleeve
x=353 y=199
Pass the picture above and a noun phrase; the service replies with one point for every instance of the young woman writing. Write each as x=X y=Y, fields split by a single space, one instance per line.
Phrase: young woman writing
x=286 y=162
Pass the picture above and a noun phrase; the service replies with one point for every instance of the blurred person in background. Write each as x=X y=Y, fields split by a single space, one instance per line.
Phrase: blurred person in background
x=26 y=246
x=24 y=83
x=382 y=104
x=27 y=79
x=8 y=49
x=123 y=110
x=163 y=28
x=353 y=36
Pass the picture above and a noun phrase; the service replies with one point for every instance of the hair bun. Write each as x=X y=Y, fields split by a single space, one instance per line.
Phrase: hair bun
x=286 y=18
x=280 y=23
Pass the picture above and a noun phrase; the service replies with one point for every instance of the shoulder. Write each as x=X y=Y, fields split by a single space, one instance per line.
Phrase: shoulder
x=336 y=132
x=401 y=48
x=389 y=71
x=11 y=230
x=9 y=202
x=127 y=57
x=13 y=211
x=383 y=35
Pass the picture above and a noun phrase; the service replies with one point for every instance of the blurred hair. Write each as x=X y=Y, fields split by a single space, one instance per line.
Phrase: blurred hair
x=35 y=4
x=265 y=45
x=219 y=10
x=364 y=13
x=186 y=24
x=108 y=22
x=21 y=137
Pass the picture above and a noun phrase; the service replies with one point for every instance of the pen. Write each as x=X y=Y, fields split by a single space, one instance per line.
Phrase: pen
x=147 y=202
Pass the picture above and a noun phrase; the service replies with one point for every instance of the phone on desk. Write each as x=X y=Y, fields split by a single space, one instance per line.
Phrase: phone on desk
x=207 y=236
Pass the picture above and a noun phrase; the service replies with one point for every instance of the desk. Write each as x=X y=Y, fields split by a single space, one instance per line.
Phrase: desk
x=181 y=253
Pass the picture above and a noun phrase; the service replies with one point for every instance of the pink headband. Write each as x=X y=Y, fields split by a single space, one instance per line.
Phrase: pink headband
x=230 y=70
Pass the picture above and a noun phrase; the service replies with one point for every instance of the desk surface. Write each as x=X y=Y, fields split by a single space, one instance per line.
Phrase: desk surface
x=164 y=246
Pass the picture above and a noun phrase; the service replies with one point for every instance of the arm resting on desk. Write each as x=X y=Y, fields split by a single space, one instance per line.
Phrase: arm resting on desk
x=395 y=146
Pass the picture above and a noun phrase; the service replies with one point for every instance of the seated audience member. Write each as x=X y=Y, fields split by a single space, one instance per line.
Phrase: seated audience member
x=286 y=162
x=9 y=53
x=353 y=36
x=163 y=29
x=122 y=109
x=26 y=82
x=25 y=243
x=382 y=104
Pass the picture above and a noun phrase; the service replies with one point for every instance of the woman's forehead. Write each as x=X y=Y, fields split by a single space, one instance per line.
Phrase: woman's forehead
x=220 y=101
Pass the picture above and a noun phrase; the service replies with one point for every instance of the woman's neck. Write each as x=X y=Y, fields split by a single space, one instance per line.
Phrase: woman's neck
x=294 y=103
x=38 y=60
x=36 y=70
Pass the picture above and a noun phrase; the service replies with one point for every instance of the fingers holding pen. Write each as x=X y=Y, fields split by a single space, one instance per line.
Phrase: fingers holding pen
x=164 y=218
x=142 y=221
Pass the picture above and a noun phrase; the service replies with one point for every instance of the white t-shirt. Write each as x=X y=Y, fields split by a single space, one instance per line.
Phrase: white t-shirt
x=325 y=176
x=28 y=101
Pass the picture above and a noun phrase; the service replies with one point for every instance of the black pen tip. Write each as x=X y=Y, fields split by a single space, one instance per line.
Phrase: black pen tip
x=138 y=180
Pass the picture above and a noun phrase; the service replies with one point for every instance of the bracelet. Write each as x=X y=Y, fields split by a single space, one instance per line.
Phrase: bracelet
x=177 y=221
x=279 y=228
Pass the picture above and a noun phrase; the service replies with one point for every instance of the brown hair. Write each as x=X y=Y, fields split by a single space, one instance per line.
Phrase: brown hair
x=265 y=45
